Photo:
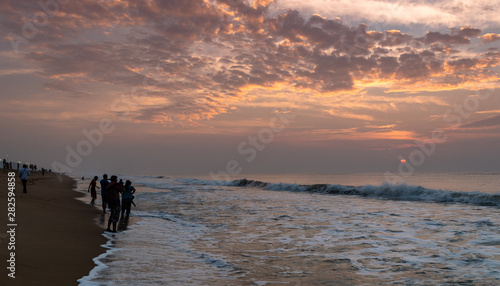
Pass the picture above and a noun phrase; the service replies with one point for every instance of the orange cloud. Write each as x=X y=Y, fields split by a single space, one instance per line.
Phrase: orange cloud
x=490 y=38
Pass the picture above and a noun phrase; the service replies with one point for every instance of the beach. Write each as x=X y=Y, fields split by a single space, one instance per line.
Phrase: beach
x=56 y=236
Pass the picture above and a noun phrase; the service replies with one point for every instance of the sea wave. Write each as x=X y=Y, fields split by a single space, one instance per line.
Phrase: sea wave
x=383 y=191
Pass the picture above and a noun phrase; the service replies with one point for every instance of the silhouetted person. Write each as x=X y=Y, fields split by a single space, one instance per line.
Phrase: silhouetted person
x=104 y=185
x=92 y=186
x=24 y=174
x=113 y=192
x=127 y=197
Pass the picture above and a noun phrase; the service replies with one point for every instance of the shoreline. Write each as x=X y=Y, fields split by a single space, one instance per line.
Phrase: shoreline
x=56 y=237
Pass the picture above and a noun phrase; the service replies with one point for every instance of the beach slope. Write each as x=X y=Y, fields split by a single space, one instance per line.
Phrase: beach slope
x=56 y=235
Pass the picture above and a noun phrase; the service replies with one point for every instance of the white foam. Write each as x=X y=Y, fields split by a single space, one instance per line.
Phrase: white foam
x=87 y=280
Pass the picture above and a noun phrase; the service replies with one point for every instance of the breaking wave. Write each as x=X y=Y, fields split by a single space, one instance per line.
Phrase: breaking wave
x=384 y=191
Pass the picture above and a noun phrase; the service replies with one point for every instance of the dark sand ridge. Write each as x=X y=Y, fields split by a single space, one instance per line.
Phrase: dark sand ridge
x=56 y=235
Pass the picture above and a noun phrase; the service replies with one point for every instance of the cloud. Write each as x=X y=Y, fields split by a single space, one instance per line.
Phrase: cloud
x=433 y=37
x=467 y=32
x=425 y=12
x=193 y=49
x=187 y=111
x=490 y=38
x=493 y=121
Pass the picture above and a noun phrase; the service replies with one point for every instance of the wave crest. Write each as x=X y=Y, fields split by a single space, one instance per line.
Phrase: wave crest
x=384 y=191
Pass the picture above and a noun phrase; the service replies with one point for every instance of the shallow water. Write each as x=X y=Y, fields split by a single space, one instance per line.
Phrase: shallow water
x=227 y=235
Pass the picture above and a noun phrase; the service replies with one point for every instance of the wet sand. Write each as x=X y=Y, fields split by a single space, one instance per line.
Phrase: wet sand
x=56 y=236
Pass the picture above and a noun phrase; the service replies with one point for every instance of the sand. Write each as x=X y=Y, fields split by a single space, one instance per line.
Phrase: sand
x=56 y=236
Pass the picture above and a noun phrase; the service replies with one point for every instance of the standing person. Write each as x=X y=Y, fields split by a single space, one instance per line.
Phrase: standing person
x=92 y=186
x=104 y=184
x=127 y=197
x=24 y=174
x=113 y=191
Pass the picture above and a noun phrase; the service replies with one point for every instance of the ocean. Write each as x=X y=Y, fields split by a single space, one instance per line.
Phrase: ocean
x=307 y=229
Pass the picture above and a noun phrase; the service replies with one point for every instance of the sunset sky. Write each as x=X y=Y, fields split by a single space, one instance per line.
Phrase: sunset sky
x=186 y=86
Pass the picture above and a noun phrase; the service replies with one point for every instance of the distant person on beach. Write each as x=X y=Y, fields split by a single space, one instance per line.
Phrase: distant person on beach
x=113 y=191
x=92 y=186
x=127 y=197
x=104 y=184
x=24 y=174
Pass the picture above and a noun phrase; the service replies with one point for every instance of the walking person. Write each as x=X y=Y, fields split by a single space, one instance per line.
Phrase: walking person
x=113 y=192
x=24 y=174
x=127 y=197
x=104 y=184
x=92 y=189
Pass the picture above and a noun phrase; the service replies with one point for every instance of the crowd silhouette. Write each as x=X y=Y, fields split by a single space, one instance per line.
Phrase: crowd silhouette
x=116 y=195
x=111 y=192
x=23 y=172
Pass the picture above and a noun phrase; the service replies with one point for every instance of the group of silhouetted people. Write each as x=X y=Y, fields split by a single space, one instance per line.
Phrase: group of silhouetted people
x=32 y=167
x=8 y=165
x=110 y=192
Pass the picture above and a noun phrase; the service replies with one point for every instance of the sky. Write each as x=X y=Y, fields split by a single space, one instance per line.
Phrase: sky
x=235 y=87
